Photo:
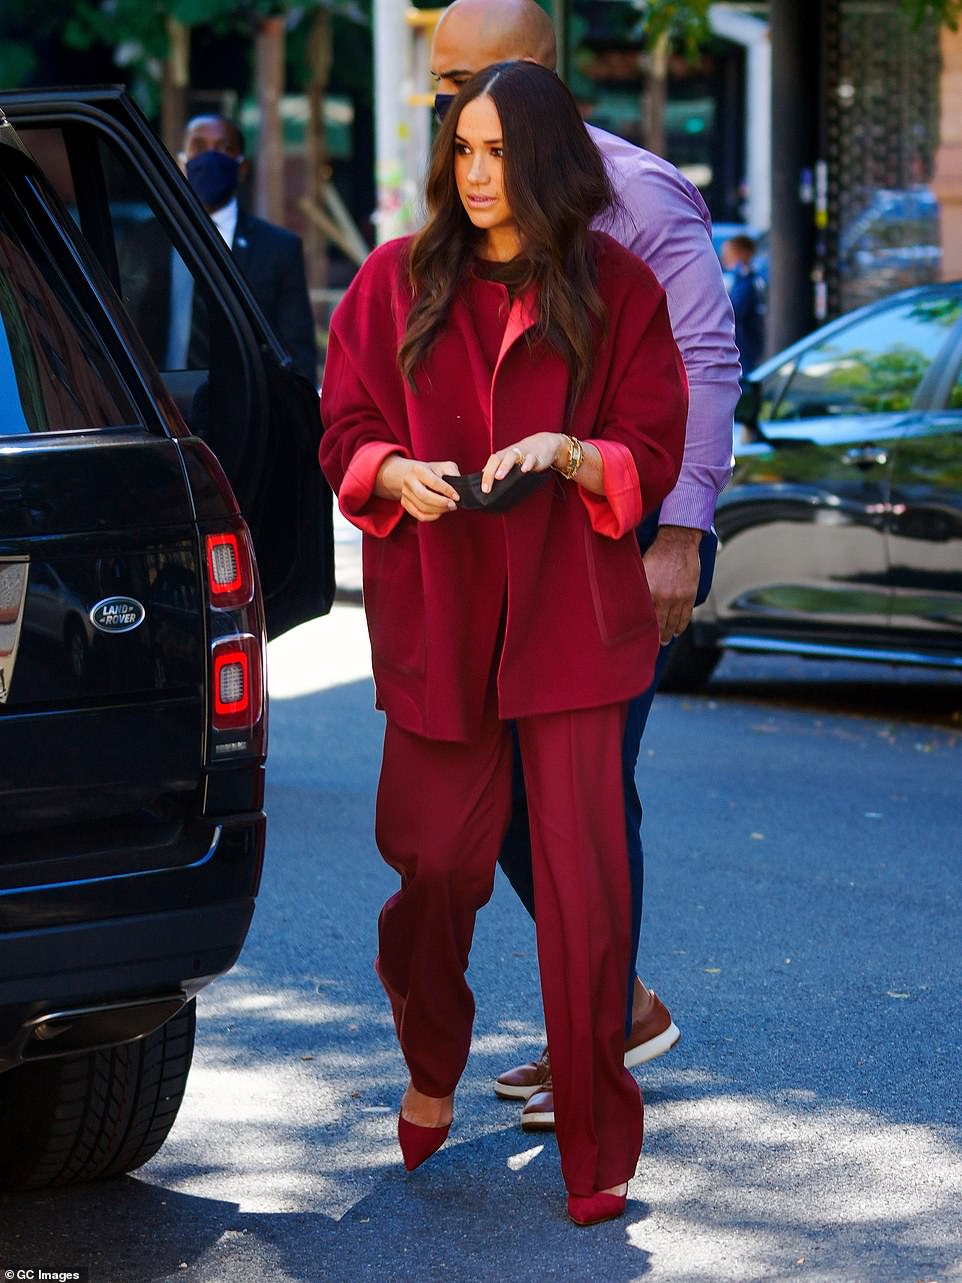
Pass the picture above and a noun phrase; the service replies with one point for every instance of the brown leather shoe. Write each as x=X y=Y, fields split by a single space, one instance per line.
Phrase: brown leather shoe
x=652 y=1033
x=538 y=1113
x=524 y=1080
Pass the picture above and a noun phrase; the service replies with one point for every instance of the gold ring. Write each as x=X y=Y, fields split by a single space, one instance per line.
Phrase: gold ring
x=519 y=453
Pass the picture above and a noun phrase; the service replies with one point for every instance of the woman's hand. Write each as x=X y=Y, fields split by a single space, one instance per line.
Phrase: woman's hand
x=536 y=453
x=418 y=486
x=539 y=452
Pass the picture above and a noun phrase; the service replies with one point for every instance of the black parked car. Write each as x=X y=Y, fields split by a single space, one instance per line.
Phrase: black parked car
x=841 y=531
x=133 y=728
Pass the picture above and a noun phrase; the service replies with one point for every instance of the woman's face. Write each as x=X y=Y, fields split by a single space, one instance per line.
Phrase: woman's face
x=479 y=174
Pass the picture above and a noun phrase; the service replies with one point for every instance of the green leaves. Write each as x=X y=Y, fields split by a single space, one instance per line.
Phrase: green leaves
x=944 y=12
x=17 y=62
x=684 y=21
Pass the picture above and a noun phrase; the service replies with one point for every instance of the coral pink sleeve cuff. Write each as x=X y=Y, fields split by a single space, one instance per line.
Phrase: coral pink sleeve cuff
x=619 y=509
x=356 y=497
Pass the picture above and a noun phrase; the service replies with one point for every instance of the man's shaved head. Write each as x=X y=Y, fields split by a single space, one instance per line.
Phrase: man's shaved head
x=213 y=131
x=476 y=33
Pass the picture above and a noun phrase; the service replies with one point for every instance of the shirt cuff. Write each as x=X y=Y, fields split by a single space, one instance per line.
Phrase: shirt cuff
x=618 y=510
x=356 y=498
x=689 y=505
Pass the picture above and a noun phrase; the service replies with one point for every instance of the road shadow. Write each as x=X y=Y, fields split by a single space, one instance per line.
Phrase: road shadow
x=805 y=1127
x=915 y=695
x=121 y=1231
x=473 y=1210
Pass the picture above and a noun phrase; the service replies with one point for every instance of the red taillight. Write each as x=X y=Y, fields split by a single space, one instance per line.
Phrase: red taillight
x=230 y=575
x=238 y=713
x=237 y=694
x=231 y=685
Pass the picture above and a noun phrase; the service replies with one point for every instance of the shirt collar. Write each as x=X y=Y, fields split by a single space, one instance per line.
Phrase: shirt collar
x=226 y=221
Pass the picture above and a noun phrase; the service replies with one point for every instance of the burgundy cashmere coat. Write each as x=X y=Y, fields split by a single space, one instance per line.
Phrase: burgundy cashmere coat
x=553 y=593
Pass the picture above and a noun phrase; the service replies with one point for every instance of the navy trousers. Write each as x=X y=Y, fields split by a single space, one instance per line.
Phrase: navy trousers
x=515 y=857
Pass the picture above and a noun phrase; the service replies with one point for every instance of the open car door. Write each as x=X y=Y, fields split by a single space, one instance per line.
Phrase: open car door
x=232 y=381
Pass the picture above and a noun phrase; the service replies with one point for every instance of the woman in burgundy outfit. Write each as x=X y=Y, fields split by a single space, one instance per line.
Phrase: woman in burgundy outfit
x=507 y=336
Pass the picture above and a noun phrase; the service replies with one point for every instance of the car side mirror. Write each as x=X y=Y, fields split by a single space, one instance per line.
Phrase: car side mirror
x=747 y=410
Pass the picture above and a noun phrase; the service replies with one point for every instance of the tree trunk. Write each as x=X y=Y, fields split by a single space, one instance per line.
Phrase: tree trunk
x=656 y=96
x=269 y=75
x=173 y=107
x=319 y=55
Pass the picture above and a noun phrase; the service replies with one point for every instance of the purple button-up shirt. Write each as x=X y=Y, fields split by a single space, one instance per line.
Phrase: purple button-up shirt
x=665 y=222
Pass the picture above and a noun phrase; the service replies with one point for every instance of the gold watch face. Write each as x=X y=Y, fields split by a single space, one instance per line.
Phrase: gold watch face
x=13 y=591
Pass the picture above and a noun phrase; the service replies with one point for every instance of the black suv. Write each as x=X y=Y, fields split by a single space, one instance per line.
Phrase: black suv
x=132 y=624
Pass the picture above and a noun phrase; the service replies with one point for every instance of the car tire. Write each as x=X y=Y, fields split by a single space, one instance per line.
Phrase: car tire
x=94 y=1116
x=689 y=666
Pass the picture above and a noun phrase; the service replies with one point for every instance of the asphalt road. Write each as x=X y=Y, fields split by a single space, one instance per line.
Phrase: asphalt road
x=803 y=891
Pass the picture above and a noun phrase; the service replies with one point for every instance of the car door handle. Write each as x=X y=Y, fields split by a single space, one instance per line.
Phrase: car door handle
x=865 y=456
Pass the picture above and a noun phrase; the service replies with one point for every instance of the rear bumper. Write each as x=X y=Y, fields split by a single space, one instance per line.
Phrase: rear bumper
x=123 y=940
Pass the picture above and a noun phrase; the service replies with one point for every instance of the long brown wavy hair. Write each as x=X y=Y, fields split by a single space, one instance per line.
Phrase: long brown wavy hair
x=556 y=183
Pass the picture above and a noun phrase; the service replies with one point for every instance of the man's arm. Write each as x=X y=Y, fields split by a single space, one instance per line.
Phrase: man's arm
x=667 y=225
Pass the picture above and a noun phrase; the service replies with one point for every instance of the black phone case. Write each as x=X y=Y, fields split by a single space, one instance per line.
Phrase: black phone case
x=511 y=490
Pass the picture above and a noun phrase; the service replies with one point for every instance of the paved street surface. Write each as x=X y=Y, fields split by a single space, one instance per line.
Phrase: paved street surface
x=802 y=922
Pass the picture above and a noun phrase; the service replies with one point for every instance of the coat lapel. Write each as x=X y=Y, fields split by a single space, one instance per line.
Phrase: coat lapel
x=523 y=315
x=481 y=373
x=241 y=247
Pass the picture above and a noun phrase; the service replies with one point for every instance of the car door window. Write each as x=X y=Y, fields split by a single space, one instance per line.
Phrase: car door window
x=153 y=280
x=185 y=325
x=772 y=388
x=258 y=416
x=54 y=372
x=955 y=392
x=158 y=288
x=873 y=366
x=171 y=306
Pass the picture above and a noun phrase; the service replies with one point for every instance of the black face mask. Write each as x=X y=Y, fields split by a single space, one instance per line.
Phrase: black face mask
x=441 y=104
x=214 y=177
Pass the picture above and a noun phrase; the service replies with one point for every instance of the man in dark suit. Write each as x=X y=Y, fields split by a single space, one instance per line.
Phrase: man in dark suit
x=270 y=258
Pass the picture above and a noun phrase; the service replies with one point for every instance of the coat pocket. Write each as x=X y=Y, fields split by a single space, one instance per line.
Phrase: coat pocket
x=394 y=599
x=619 y=587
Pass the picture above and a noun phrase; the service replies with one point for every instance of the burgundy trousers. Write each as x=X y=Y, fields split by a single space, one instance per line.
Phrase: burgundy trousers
x=442 y=811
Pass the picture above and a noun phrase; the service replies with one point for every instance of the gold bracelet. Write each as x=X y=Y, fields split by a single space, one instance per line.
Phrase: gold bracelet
x=563 y=470
x=576 y=455
x=578 y=452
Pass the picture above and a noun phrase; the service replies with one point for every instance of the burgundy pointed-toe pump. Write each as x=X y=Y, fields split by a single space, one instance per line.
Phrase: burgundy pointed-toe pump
x=592 y=1209
x=419 y=1143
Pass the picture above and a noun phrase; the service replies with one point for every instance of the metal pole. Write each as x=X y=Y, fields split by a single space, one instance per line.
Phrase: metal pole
x=753 y=35
x=395 y=186
x=796 y=69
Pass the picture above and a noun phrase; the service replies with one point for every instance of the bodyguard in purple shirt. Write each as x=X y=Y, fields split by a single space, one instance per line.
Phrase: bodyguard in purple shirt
x=665 y=222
